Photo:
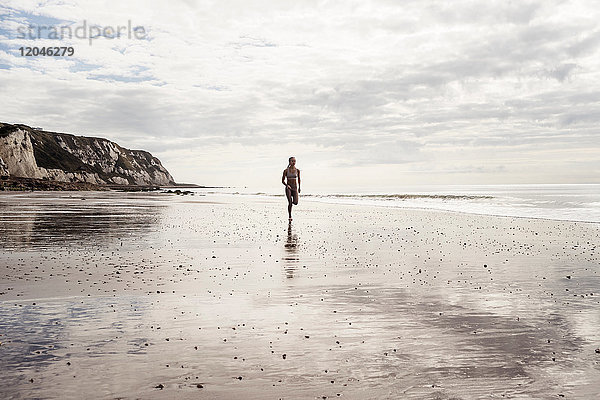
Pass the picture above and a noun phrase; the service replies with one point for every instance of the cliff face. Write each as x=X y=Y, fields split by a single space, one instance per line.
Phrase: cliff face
x=32 y=153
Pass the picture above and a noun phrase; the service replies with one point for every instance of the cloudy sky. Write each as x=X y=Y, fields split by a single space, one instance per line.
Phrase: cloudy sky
x=366 y=94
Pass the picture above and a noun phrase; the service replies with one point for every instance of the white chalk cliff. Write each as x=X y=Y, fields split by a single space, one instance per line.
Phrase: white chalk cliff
x=33 y=153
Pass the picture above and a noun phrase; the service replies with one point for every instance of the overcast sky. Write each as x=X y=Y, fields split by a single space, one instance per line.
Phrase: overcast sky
x=375 y=94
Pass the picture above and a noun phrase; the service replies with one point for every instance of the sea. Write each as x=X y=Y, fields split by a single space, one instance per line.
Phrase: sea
x=567 y=202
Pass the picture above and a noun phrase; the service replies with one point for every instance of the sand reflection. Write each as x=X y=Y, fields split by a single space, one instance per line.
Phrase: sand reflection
x=47 y=220
x=388 y=304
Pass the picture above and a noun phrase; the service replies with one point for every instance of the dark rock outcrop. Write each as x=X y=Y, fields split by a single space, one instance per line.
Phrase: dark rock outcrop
x=34 y=153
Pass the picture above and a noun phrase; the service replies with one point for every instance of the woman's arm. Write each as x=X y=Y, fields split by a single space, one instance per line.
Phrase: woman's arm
x=283 y=179
x=298 y=180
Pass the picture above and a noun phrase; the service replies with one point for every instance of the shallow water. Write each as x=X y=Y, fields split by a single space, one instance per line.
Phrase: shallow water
x=565 y=202
x=151 y=296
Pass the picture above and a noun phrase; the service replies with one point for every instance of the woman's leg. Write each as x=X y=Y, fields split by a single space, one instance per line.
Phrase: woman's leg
x=288 y=194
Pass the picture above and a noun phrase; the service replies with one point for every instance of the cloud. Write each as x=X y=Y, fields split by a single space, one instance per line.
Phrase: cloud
x=378 y=82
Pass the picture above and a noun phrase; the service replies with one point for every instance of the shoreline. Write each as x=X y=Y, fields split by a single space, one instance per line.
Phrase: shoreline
x=309 y=198
x=325 y=200
x=24 y=184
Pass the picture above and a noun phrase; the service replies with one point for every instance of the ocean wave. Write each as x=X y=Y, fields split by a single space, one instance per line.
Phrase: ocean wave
x=382 y=196
x=405 y=196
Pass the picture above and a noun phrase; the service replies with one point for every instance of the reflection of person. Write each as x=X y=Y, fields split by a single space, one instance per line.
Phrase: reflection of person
x=291 y=257
x=292 y=187
x=292 y=240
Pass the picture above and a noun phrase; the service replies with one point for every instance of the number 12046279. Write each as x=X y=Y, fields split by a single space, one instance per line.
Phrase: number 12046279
x=47 y=51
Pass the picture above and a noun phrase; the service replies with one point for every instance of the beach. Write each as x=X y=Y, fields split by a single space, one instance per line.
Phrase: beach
x=151 y=295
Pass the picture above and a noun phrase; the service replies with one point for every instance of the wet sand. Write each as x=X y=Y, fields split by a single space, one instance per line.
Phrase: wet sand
x=147 y=295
